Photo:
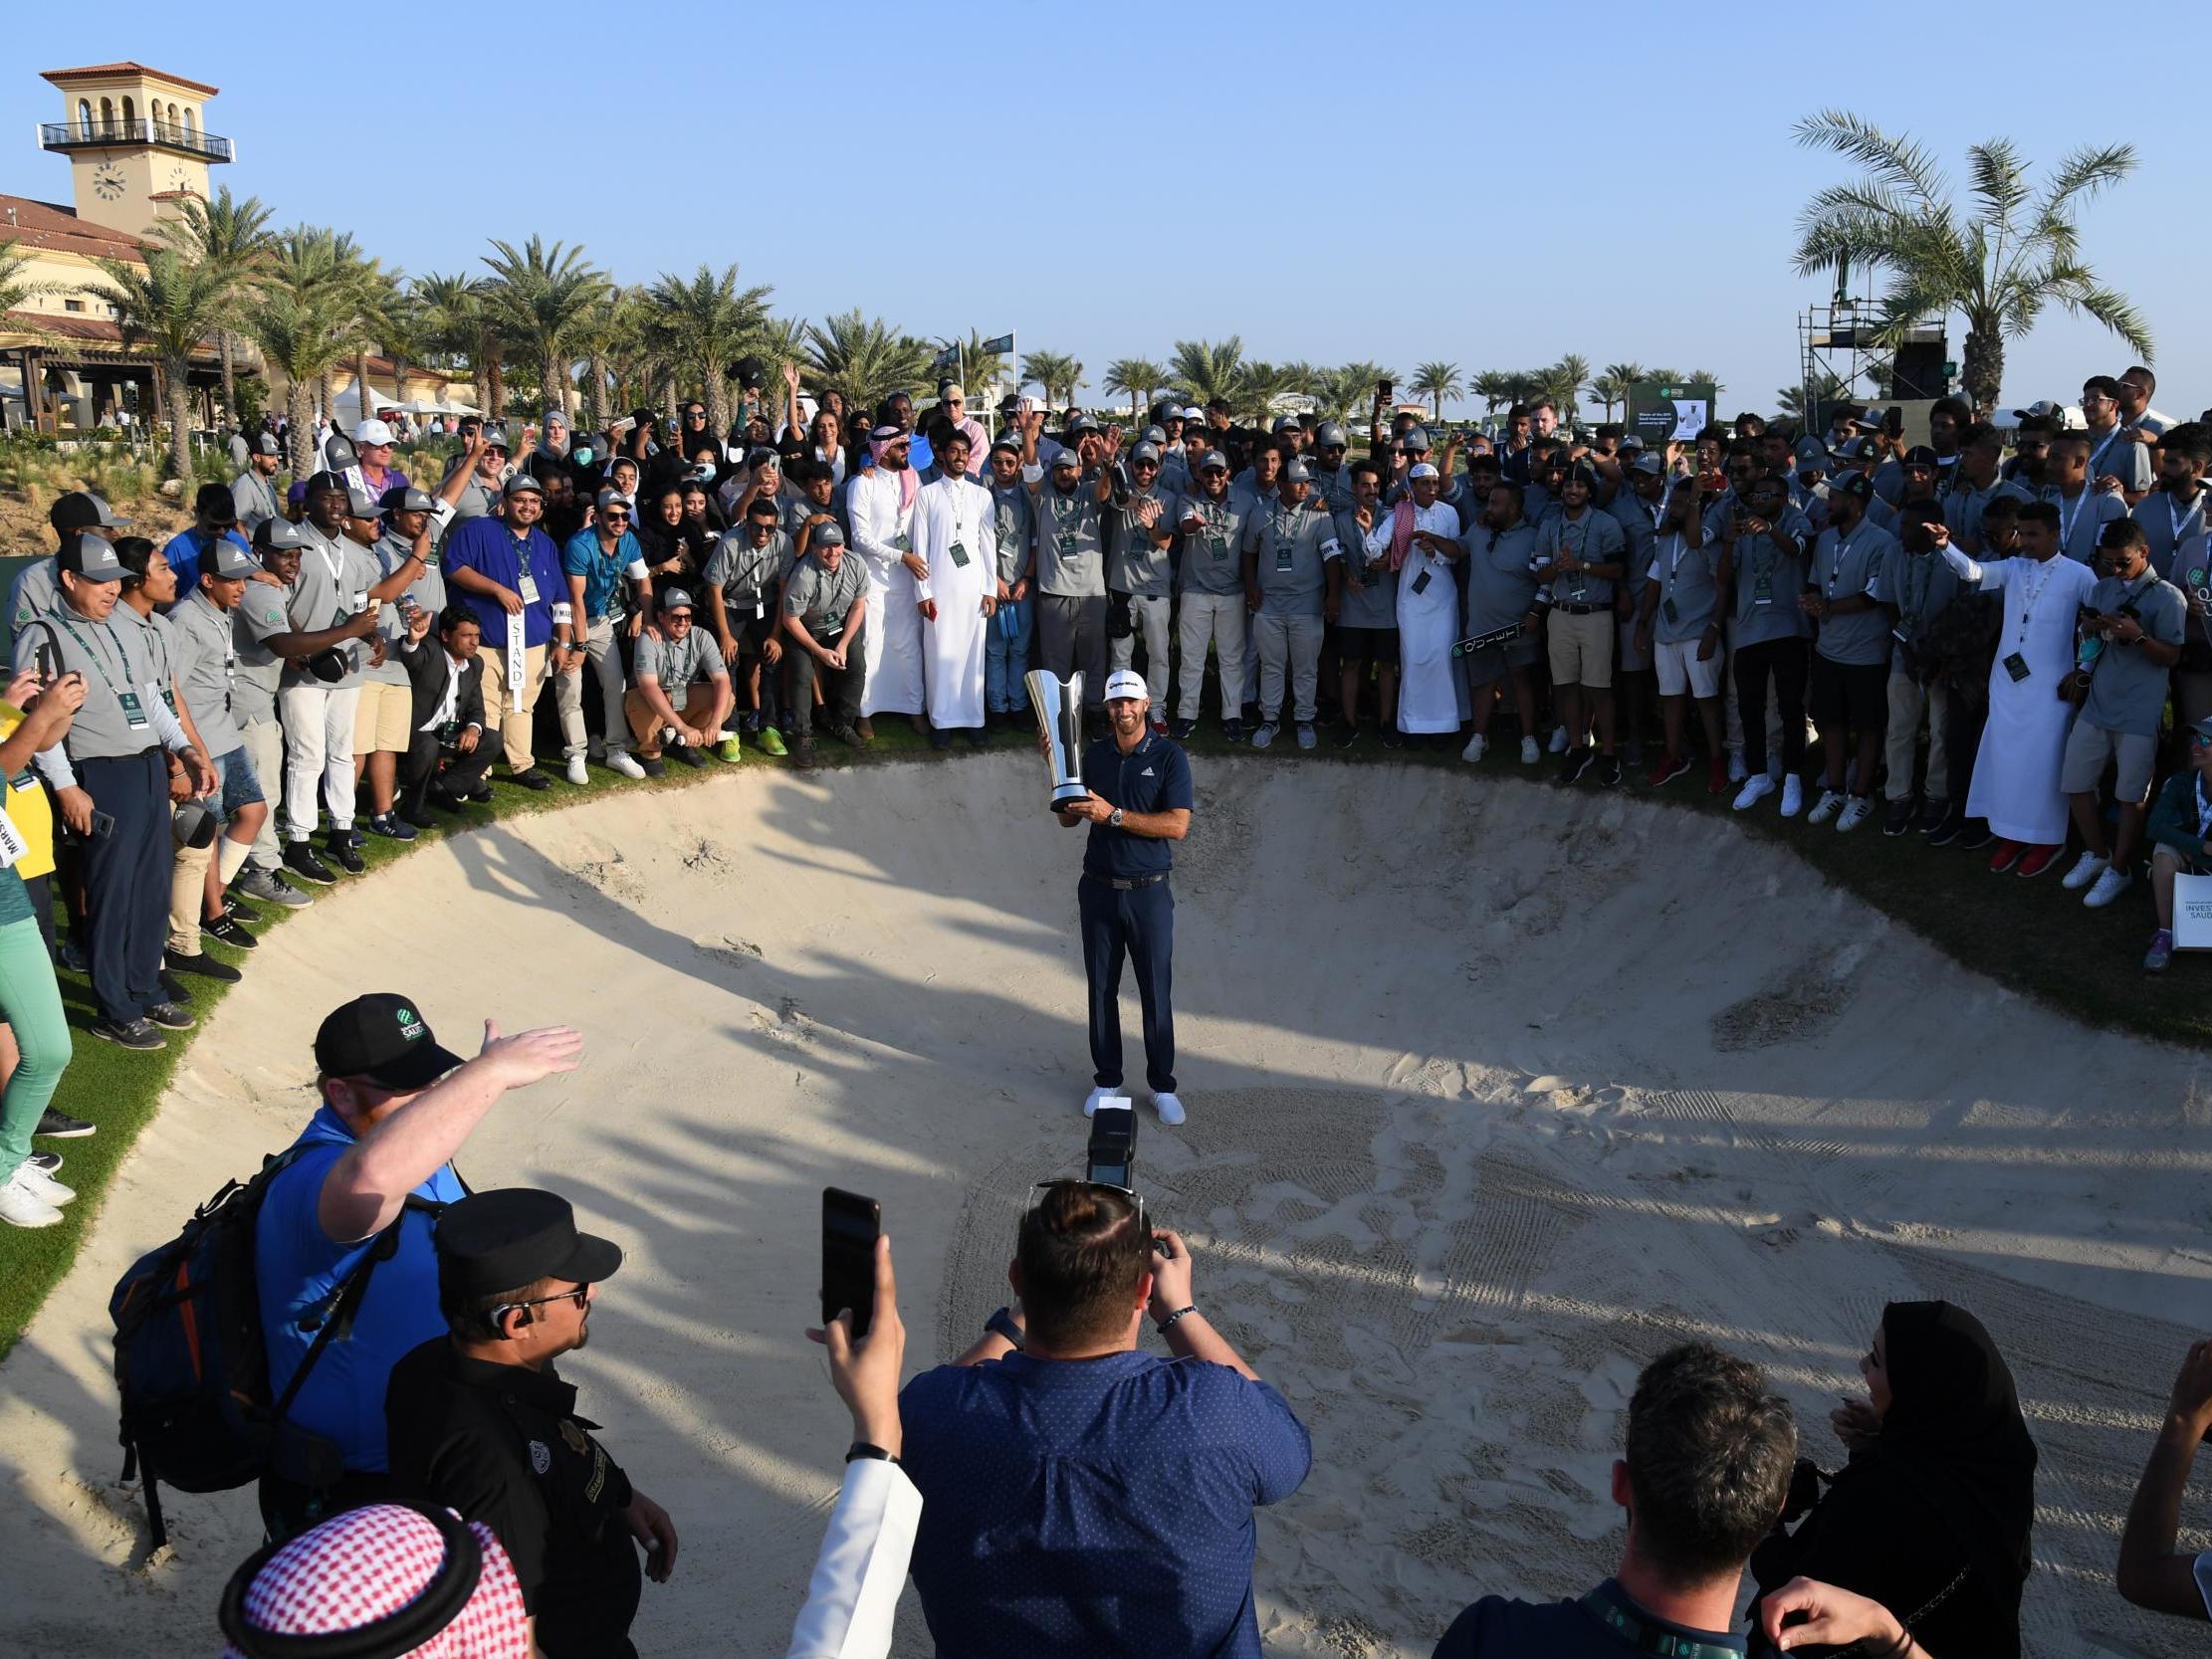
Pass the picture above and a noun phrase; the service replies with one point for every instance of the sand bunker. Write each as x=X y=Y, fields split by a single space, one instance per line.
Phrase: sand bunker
x=1496 y=1091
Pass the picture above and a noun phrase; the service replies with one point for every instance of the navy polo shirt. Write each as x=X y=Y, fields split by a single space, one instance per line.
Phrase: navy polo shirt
x=1495 y=1629
x=1155 y=777
x=1084 y=1506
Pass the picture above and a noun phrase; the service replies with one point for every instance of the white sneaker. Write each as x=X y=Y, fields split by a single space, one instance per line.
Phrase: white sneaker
x=1263 y=734
x=1754 y=790
x=1169 y=1108
x=1829 y=803
x=576 y=775
x=1530 y=753
x=1793 y=795
x=2085 y=870
x=1477 y=746
x=623 y=761
x=1558 y=745
x=1855 y=812
x=1737 y=770
x=2109 y=885
x=20 y=1206
x=1095 y=1099
x=44 y=1186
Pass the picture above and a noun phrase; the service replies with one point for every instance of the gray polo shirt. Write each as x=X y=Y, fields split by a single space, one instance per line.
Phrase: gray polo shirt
x=2124 y=458
x=675 y=663
x=1641 y=535
x=1917 y=587
x=748 y=576
x=1332 y=490
x=155 y=648
x=38 y=589
x=822 y=599
x=2128 y=691
x=1689 y=589
x=427 y=590
x=1295 y=545
x=115 y=659
x=1767 y=583
x=2083 y=519
x=1137 y=566
x=2168 y=525
x=262 y=613
x=1014 y=517
x=1213 y=557
x=1373 y=603
x=257 y=502
x=206 y=650
x=1964 y=507
x=1844 y=565
x=1596 y=538
x=335 y=574
x=1071 y=553
x=1499 y=575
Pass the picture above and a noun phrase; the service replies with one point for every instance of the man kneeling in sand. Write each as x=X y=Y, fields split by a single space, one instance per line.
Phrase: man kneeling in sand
x=1704 y=1477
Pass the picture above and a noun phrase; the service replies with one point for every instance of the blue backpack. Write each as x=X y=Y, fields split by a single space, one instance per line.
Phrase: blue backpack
x=191 y=1360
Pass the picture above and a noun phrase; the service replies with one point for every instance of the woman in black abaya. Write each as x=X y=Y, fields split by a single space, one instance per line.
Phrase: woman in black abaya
x=1931 y=1516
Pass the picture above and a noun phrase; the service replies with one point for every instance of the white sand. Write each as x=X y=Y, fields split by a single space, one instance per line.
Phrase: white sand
x=1496 y=1091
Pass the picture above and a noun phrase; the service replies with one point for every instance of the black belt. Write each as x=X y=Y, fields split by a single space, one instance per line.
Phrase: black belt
x=1581 y=610
x=1128 y=883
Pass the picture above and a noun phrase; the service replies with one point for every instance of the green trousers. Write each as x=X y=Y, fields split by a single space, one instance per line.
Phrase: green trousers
x=31 y=1003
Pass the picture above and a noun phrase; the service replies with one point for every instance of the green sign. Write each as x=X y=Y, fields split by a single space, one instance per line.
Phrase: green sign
x=1661 y=414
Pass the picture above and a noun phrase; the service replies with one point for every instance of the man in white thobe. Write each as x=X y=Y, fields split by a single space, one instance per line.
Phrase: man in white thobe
x=1420 y=539
x=2016 y=769
x=880 y=502
x=954 y=534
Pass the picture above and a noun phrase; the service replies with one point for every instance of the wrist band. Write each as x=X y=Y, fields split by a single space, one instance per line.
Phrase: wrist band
x=1167 y=1324
x=869 y=1449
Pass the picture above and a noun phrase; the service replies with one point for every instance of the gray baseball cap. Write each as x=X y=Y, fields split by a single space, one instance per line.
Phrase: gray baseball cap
x=267 y=443
x=521 y=484
x=1145 y=452
x=1283 y=422
x=1648 y=462
x=1155 y=435
x=1296 y=473
x=1331 y=436
x=1212 y=460
x=229 y=560
x=281 y=533
x=406 y=499
x=1067 y=458
x=674 y=599
x=1414 y=442
x=90 y=556
x=831 y=535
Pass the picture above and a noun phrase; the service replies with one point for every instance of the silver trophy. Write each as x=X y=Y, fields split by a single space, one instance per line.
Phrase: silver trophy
x=1059 y=710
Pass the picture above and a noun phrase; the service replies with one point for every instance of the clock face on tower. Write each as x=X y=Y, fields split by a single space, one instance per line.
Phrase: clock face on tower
x=179 y=178
x=107 y=180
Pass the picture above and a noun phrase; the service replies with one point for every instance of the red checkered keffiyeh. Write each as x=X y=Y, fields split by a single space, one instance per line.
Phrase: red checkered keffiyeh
x=365 y=1564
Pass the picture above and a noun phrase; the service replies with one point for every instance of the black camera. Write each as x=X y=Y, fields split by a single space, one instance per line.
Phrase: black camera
x=1111 y=1157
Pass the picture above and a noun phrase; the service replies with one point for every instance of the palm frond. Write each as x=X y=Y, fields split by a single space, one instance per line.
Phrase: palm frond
x=1900 y=163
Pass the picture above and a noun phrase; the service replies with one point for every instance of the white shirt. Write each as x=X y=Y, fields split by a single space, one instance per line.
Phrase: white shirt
x=861 y=1568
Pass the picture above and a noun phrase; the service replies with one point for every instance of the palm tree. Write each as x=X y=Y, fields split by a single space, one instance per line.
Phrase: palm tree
x=381 y=296
x=1265 y=384
x=1558 y=383
x=1494 y=387
x=2011 y=251
x=232 y=236
x=1136 y=376
x=1706 y=377
x=1611 y=385
x=305 y=318
x=1574 y=372
x=1057 y=372
x=1206 y=370
x=1826 y=387
x=169 y=304
x=978 y=369
x=866 y=358
x=709 y=322
x=449 y=324
x=1350 y=387
x=541 y=294
x=1438 y=381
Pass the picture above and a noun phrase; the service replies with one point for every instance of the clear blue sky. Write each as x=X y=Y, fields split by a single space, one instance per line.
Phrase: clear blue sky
x=1609 y=180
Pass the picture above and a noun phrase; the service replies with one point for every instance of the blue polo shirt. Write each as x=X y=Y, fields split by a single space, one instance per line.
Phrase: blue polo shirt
x=602 y=576
x=1495 y=1629
x=1087 y=1507
x=487 y=547
x=184 y=551
x=297 y=1266
x=1155 y=777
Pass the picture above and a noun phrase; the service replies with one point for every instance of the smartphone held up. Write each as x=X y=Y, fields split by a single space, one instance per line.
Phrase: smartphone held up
x=850 y=1226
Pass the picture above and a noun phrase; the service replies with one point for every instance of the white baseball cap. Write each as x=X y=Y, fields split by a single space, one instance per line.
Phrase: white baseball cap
x=1126 y=682
x=372 y=432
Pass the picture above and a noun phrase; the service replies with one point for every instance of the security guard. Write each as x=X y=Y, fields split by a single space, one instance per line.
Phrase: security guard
x=1139 y=802
x=480 y=1421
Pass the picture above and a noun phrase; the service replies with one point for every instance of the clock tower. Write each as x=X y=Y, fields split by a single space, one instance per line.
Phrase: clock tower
x=137 y=139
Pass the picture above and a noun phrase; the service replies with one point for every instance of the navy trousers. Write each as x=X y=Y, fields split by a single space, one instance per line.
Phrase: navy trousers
x=127 y=881
x=1141 y=923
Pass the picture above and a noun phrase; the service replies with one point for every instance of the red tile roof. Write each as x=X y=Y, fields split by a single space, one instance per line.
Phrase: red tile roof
x=51 y=226
x=97 y=330
x=126 y=67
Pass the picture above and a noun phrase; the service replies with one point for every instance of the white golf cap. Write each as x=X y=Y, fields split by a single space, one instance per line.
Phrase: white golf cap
x=1126 y=682
x=372 y=432
x=1421 y=469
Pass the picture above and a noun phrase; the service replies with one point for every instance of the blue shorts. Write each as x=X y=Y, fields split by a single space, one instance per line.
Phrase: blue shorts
x=241 y=788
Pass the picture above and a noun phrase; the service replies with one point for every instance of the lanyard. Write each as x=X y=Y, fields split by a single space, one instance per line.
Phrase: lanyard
x=122 y=653
x=2177 y=520
x=1843 y=553
x=2065 y=524
x=2028 y=606
x=2097 y=457
x=1919 y=576
x=1674 y=560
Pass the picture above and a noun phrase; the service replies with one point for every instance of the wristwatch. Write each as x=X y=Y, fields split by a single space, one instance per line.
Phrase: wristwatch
x=869 y=1449
x=1114 y=818
x=1001 y=1323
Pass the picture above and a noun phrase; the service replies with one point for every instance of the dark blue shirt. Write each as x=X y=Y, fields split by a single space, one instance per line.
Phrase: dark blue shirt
x=1495 y=1629
x=1094 y=1507
x=1155 y=777
x=487 y=547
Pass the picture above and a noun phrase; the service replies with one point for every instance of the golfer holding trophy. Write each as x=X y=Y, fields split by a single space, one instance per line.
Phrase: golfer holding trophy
x=1133 y=788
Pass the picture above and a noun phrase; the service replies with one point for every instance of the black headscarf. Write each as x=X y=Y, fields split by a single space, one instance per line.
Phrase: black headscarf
x=1954 y=1426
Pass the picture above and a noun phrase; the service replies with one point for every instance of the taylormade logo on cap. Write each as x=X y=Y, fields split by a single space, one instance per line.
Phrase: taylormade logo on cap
x=1125 y=682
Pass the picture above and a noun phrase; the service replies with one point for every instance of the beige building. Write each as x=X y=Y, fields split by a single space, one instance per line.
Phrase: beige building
x=137 y=142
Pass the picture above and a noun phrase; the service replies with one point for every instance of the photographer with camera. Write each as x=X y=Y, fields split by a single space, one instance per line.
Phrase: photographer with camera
x=1079 y=1496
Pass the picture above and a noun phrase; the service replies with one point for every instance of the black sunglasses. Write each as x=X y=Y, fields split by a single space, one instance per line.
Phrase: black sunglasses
x=580 y=1296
